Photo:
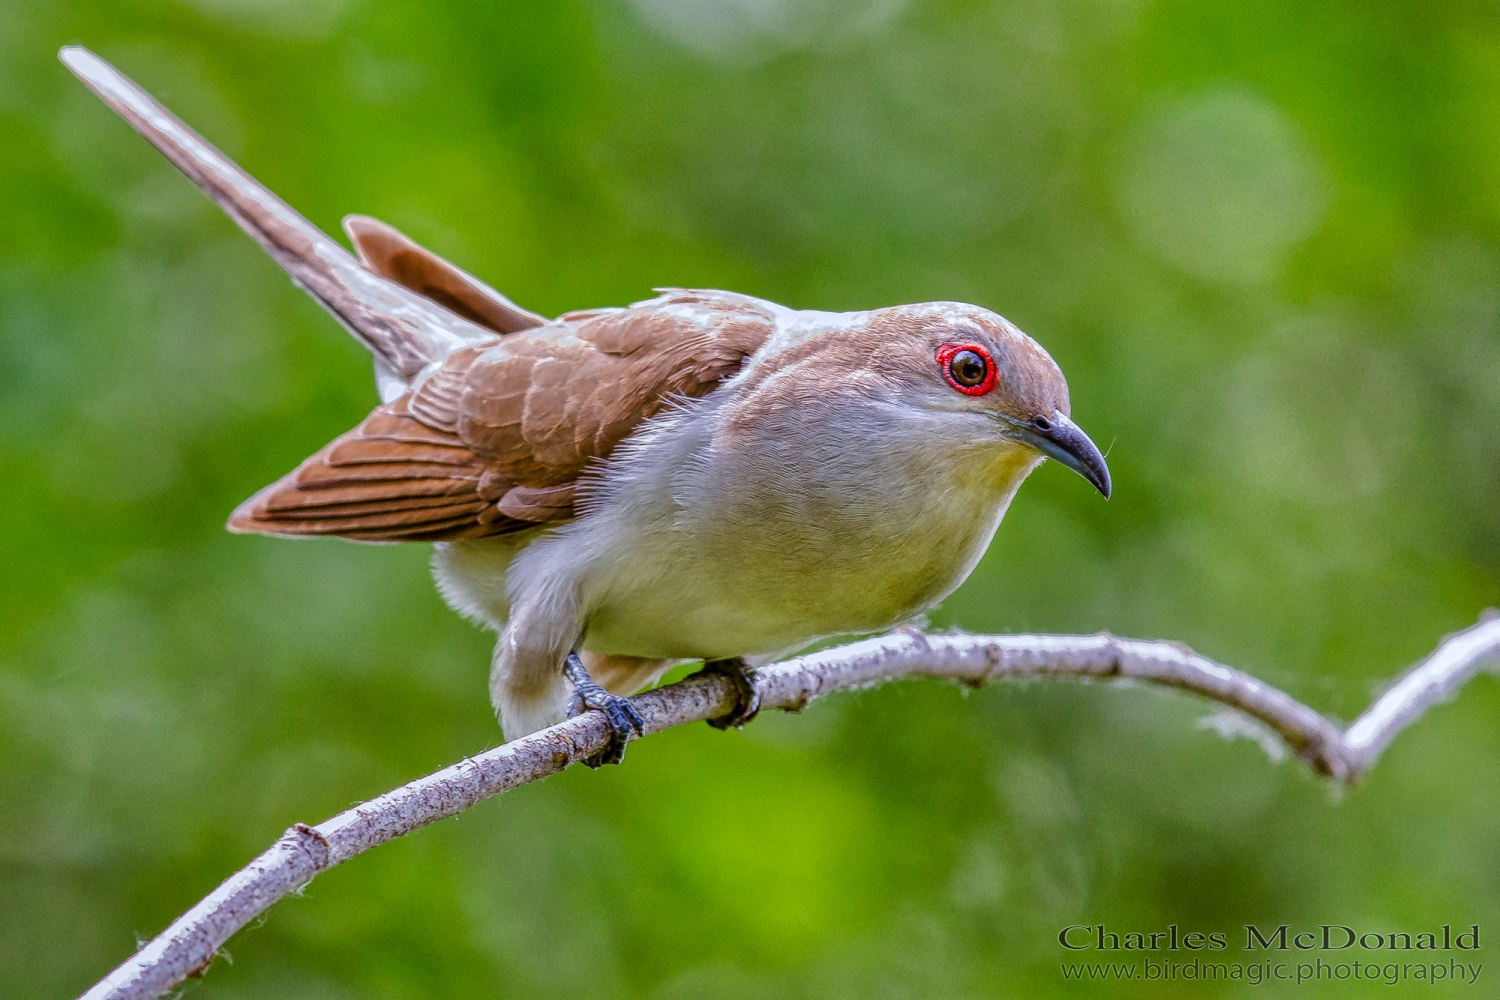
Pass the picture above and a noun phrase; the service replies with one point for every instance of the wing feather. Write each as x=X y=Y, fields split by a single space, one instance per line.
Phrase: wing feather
x=494 y=440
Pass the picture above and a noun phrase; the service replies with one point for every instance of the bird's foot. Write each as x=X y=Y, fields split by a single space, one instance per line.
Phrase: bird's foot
x=747 y=695
x=621 y=714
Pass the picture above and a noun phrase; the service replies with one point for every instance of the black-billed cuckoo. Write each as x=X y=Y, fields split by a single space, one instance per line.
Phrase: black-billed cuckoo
x=703 y=475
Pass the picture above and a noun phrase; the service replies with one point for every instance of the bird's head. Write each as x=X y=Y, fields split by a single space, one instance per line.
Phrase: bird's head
x=959 y=359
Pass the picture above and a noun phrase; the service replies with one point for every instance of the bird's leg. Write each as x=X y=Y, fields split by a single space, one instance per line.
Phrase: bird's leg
x=747 y=696
x=622 y=716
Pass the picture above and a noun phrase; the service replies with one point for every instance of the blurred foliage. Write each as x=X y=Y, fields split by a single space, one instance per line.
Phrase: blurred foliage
x=1263 y=240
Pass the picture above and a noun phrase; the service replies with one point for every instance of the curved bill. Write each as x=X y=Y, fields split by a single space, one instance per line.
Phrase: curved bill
x=1060 y=439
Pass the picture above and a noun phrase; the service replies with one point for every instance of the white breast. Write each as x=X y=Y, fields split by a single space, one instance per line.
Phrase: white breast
x=831 y=523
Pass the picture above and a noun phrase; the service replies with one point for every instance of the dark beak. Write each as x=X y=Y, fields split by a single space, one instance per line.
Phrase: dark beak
x=1059 y=438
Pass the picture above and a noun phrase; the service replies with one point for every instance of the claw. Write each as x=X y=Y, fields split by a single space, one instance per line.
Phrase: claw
x=622 y=716
x=747 y=693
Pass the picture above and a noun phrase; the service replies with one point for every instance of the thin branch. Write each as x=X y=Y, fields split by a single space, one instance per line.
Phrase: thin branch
x=186 y=948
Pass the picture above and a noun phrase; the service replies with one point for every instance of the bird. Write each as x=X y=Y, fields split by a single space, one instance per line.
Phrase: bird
x=700 y=476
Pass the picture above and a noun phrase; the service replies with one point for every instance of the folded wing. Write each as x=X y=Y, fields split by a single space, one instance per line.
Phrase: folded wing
x=496 y=439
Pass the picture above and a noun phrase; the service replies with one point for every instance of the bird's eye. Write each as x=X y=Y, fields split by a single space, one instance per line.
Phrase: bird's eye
x=968 y=368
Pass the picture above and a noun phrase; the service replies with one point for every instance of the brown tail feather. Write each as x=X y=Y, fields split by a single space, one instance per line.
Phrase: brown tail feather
x=402 y=327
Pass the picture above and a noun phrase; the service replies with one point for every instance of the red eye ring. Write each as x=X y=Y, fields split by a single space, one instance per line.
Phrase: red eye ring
x=948 y=354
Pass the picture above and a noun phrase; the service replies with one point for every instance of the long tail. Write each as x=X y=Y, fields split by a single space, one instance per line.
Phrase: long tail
x=404 y=330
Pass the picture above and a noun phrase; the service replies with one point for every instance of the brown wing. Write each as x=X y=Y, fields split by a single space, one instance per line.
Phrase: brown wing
x=390 y=254
x=495 y=440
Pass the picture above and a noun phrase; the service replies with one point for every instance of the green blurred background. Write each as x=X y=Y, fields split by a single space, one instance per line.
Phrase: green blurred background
x=1263 y=240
